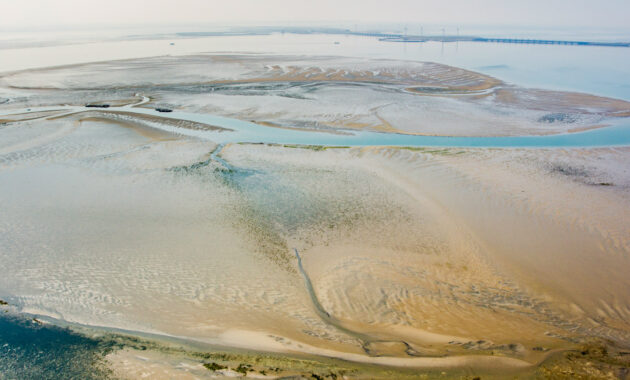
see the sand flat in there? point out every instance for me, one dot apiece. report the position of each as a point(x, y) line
point(482, 260)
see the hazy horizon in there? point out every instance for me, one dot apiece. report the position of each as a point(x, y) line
point(27, 14)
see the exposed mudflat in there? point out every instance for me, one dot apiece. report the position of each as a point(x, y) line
point(463, 261)
point(322, 93)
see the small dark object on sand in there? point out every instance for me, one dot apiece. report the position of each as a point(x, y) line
point(97, 105)
point(163, 110)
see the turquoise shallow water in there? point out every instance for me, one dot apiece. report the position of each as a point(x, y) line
point(618, 134)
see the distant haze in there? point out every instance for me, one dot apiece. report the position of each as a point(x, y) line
point(539, 13)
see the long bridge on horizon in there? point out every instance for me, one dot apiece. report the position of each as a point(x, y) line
point(550, 42)
point(394, 37)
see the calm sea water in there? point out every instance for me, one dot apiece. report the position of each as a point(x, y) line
point(30, 350)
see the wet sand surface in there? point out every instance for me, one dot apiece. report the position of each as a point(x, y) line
point(391, 262)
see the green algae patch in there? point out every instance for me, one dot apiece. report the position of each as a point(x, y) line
point(595, 359)
point(214, 366)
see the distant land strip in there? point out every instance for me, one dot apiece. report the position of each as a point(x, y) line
point(397, 37)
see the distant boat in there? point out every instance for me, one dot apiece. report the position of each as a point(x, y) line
point(172, 43)
point(97, 105)
point(163, 110)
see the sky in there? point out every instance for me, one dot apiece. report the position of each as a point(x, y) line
point(537, 13)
